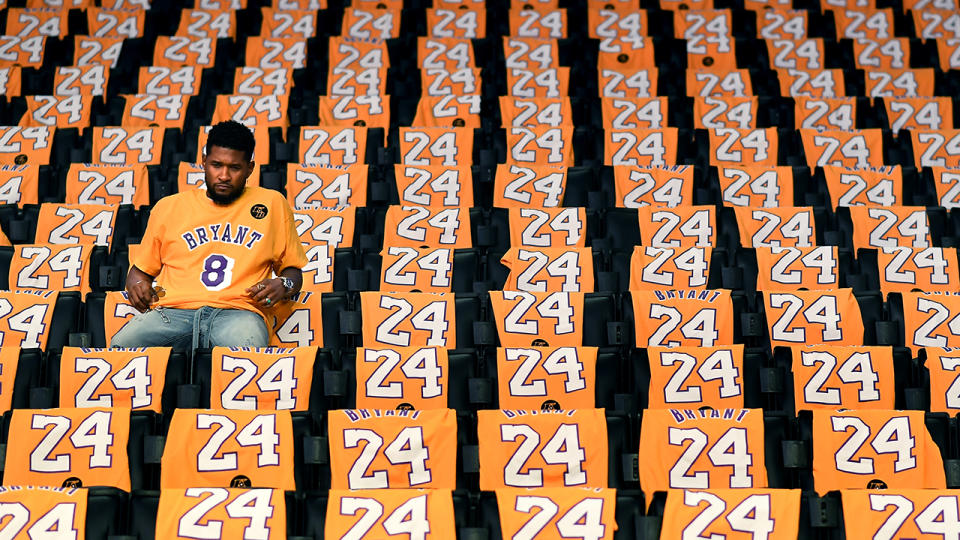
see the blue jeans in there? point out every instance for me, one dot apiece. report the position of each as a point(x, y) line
point(191, 328)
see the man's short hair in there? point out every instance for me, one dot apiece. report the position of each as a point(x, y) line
point(233, 135)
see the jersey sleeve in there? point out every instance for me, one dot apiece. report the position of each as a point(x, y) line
point(147, 257)
point(289, 250)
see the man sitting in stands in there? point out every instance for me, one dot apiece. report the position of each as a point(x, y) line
point(212, 253)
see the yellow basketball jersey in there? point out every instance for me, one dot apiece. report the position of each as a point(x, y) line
point(223, 447)
point(211, 254)
point(376, 449)
point(379, 513)
point(557, 513)
point(43, 512)
point(732, 513)
point(197, 512)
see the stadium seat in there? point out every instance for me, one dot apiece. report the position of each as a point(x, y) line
point(107, 512)
point(27, 384)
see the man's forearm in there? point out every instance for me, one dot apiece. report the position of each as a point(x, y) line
point(139, 288)
point(135, 274)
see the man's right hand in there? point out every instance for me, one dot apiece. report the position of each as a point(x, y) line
point(140, 289)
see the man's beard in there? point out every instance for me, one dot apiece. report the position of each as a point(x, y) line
point(224, 199)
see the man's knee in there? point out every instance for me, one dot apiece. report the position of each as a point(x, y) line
point(129, 335)
point(239, 328)
point(152, 329)
point(120, 340)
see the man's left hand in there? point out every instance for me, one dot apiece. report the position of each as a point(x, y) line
point(267, 293)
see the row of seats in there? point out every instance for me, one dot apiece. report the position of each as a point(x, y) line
point(337, 6)
point(728, 28)
point(335, 320)
point(544, 146)
point(497, 231)
point(355, 270)
point(402, 95)
point(896, 19)
point(479, 378)
point(782, 447)
point(884, 111)
point(117, 514)
point(111, 512)
point(892, 114)
point(589, 187)
point(930, 60)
